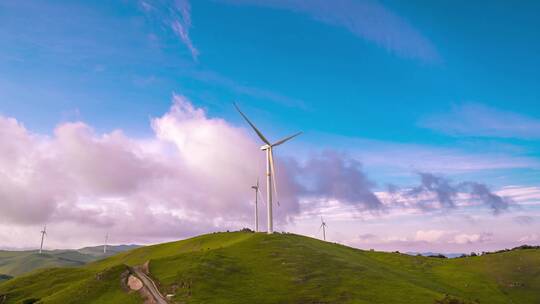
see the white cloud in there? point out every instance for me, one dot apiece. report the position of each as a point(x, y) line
point(472, 238)
point(192, 176)
point(523, 195)
point(530, 238)
point(430, 235)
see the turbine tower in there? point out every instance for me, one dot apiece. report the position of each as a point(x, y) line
point(105, 244)
point(323, 226)
point(43, 233)
point(270, 169)
point(256, 188)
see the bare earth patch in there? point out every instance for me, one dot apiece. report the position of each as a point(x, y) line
point(134, 283)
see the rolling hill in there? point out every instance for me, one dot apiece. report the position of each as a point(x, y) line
point(243, 267)
point(14, 263)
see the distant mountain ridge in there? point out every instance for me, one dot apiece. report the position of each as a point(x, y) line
point(111, 250)
point(15, 263)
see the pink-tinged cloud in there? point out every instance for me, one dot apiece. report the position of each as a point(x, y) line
point(430, 235)
point(196, 169)
point(473, 238)
point(193, 176)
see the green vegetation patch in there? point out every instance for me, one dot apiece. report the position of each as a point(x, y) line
point(65, 285)
point(244, 267)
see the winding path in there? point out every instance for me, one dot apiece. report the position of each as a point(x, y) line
point(150, 285)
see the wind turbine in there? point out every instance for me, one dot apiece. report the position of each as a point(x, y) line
point(43, 233)
point(256, 188)
point(270, 169)
point(105, 244)
point(323, 226)
point(257, 193)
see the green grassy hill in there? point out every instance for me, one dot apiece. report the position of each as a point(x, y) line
point(242, 267)
point(14, 263)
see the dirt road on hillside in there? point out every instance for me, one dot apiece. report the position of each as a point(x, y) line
point(149, 285)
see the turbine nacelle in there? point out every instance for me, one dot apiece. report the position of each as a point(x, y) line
point(265, 147)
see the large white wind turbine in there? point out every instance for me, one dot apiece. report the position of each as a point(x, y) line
point(270, 168)
point(43, 233)
point(323, 226)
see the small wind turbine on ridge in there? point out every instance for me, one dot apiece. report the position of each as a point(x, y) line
point(270, 168)
point(257, 194)
point(43, 233)
point(323, 226)
point(256, 188)
point(105, 244)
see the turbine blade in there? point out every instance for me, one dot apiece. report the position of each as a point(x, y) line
point(261, 196)
point(286, 139)
point(274, 175)
point(252, 126)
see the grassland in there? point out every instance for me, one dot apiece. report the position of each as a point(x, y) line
point(15, 263)
point(242, 267)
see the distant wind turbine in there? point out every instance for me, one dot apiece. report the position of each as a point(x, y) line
point(105, 244)
point(43, 233)
point(323, 226)
point(257, 191)
point(270, 169)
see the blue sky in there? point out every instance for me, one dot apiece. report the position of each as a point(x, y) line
point(446, 87)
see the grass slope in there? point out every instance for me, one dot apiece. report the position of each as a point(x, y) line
point(243, 267)
point(14, 263)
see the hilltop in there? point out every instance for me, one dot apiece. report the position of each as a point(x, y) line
point(15, 263)
point(243, 267)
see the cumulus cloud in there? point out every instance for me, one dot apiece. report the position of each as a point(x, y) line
point(425, 240)
point(195, 169)
point(192, 176)
point(464, 238)
point(430, 235)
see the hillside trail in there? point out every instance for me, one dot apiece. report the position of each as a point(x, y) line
point(149, 285)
